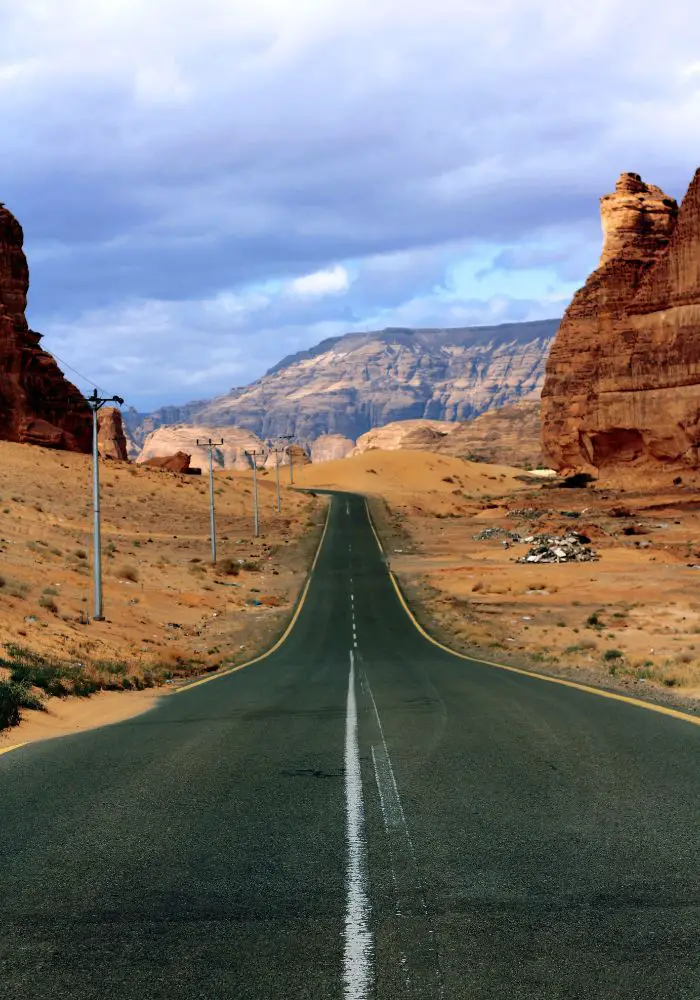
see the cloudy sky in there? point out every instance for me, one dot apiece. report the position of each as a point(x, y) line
point(207, 186)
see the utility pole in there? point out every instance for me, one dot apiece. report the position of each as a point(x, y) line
point(212, 519)
point(96, 403)
point(253, 456)
point(290, 437)
point(276, 449)
point(277, 479)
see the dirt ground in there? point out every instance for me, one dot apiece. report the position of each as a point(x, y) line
point(168, 611)
point(629, 621)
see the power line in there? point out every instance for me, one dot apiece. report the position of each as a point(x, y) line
point(89, 381)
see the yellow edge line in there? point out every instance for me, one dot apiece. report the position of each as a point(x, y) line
point(282, 638)
point(661, 709)
point(15, 746)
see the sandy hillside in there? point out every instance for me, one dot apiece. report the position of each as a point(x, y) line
point(414, 481)
point(168, 610)
point(630, 619)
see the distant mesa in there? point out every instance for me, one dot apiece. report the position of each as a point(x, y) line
point(37, 404)
point(622, 389)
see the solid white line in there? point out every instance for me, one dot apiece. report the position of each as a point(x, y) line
point(358, 952)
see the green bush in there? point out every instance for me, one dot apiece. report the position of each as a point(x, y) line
point(13, 697)
point(613, 654)
point(10, 703)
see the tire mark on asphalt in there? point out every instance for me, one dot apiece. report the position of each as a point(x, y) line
point(418, 948)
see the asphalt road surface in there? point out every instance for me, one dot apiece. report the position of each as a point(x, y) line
point(358, 815)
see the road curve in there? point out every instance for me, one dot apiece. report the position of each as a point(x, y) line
point(360, 814)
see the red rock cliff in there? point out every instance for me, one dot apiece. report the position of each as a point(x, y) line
point(622, 388)
point(37, 404)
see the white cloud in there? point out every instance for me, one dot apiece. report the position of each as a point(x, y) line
point(334, 281)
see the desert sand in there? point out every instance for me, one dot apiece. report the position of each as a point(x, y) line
point(413, 480)
point(64, 716)
point(169, 612)
point(630, 620)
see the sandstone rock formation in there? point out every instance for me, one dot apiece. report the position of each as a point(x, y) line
point(37, 404)
point(179, 462)
point(507, 436)
point(348, 385)
point(408, 435)
point(623, 378)
point(111, 441)
point(329, 447)
point(637, 220)
point(183, 437)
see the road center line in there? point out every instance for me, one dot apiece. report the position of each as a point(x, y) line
point(359, 946)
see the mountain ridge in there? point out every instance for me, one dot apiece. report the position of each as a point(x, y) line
point(350, 384)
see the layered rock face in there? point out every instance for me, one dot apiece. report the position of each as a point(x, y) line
point(37, 404)
point(622, 390)
point(111, 441)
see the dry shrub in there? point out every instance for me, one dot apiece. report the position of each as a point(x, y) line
point(228, 567)
point(129, 572)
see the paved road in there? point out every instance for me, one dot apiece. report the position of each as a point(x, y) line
point(359, 815)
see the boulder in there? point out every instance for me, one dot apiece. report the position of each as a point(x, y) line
point(622, 386)
point(179, 462)
point(37, 404)
point(111, 440)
